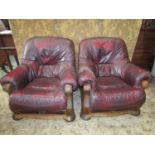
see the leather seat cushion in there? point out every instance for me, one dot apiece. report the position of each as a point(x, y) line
point(111, 93)
point(40, 95)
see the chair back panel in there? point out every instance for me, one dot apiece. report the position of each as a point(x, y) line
point(50, 53)
point(105, 53)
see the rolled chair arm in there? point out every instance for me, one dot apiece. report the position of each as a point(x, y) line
point(135, 76)
point(67, 76)
point(18, 78)
point(87, 72)
point(15, 79)
point(86, 77)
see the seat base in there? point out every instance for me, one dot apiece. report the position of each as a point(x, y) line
point(40, 95)
point(86, 113)
point(113, 94)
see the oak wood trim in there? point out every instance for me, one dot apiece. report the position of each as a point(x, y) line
point(85, 108)
point(112, 114)
point(37, 116)
point(145, 84)
point(116, 113)
point(87, 87)
point(69, 114)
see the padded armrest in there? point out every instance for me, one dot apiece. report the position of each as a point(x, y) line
point(67, 75)
point(86, 74)
point(134, 75)
point(18, 78)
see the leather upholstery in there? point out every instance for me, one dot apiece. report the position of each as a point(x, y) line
point(116, 83)
point(111, 93)
point(40, 95)
point(48, 64)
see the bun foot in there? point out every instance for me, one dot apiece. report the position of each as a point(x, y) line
point(16, 118)
point(135, 113)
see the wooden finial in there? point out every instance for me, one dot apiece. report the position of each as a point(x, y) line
point(145, 84)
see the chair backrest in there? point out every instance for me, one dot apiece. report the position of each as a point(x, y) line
point(50, 53)
point(103, 52)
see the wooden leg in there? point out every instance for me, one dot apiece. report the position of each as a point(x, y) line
point(86, 110)
point(69, 114)
point(16, 117)
point(135, 113)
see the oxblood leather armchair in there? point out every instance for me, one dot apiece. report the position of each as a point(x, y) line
point(42, 86)
point(111, 85)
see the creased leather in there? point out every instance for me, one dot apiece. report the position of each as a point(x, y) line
point(55, 56)
point(133, 75)
point(18, 77)
point(40, 95)
point(95, 53)
point(87, 68)
point(111, 93)
point(22, 75)
point(116, 83)
point(48, 64)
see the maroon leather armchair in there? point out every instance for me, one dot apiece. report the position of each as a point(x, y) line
point(42, 85)
point(111, 85)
